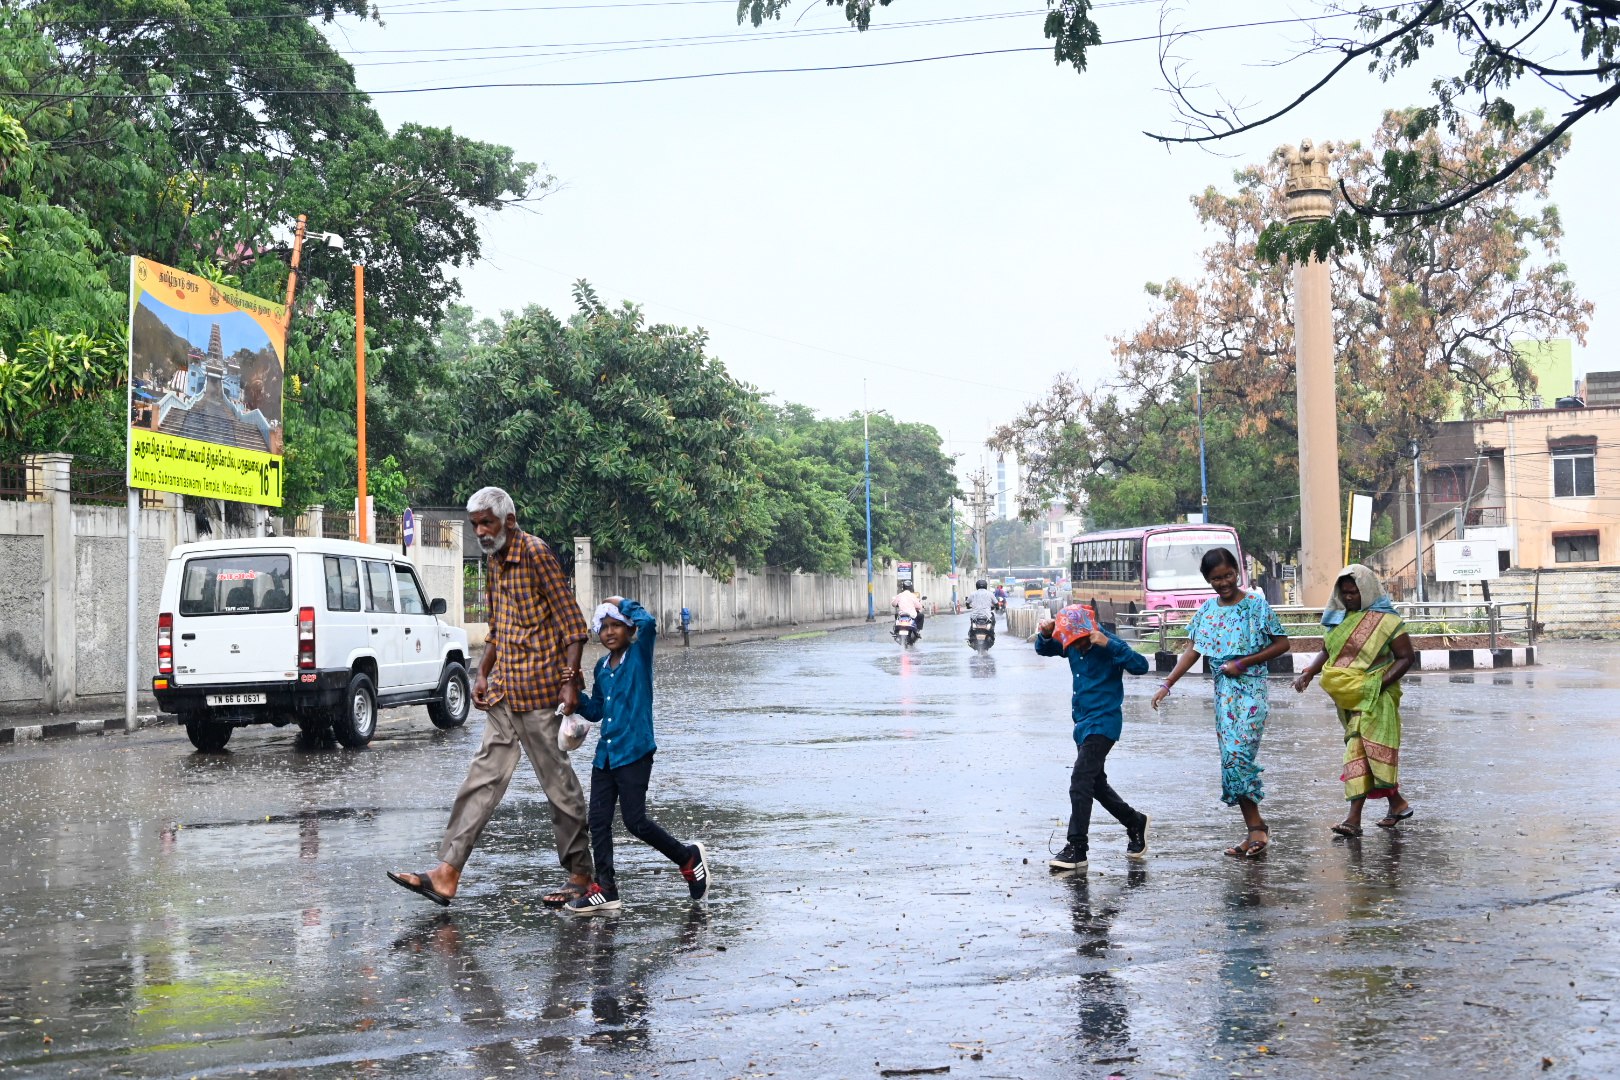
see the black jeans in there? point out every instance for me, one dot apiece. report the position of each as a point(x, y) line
point(1088, 781)
point(626, 785)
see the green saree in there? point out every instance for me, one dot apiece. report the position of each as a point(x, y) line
point(1359, 649)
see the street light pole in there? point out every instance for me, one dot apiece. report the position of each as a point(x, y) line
point(866, 436)
point(1203, 467)
point(360, 393)
point(1417, 512)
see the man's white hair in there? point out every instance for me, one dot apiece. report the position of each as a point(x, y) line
point(493, 499)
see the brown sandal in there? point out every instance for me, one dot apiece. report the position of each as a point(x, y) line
point(1250, 848)
point(1344, 828)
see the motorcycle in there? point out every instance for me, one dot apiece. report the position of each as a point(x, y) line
point(982, 632)
point(999, 605)
point(905, 630)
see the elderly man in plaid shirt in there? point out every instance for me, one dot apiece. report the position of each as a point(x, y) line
point(535, 632)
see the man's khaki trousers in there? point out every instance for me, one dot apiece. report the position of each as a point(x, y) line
point(507, 736)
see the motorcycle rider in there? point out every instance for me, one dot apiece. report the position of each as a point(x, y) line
point(906, 602)
point(980, 602)
point(1001, 596)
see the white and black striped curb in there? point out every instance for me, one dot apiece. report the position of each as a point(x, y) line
point(1427, 660)
point(64, 728)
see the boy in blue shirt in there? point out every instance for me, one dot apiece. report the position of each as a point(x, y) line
point(1098, 660)
point(621, 701)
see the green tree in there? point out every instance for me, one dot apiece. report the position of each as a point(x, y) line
point(1424, 327)
point(197, 137)
point(1485, 50)
point(605, 426)
point(1013, 542)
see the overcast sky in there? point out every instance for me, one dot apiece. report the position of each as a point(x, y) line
point(953, 233)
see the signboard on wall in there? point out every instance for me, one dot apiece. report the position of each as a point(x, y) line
point(1465, 560)
point(902, 571)
point(206, 364)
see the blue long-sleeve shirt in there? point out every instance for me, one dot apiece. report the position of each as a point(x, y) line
point(1099, 683)
point(622, 697)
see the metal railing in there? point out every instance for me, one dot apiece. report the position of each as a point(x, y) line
point(1500, 622)
point(18, 479)
point(103, 485)
point(337, 525)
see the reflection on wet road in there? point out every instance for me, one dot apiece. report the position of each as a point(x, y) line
point(879, 821)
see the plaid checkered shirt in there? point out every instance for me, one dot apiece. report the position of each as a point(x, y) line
point(533, 617)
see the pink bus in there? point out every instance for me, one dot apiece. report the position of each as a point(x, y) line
point(1152, 568)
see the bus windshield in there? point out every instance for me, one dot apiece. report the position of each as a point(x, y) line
point(1173, 558)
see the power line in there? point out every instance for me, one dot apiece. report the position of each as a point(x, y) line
point(655, 79)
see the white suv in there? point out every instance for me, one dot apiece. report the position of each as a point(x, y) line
point(285, 629)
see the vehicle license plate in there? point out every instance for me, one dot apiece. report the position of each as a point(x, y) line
point(216, 700)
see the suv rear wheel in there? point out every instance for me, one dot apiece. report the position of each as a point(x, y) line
point(209, 736)
point(355, 720)
point(455, 698)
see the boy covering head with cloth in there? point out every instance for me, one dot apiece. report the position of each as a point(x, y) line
point(621, 701)
point(1098, 661)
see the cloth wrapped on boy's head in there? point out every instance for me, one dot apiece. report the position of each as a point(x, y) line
point(608, 613)
point(1073, 623)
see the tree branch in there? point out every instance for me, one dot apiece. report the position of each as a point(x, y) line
point(1351, 55)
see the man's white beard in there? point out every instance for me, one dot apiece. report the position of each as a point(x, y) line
point(492, 544)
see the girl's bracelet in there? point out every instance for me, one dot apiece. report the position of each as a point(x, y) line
point(1165, 686)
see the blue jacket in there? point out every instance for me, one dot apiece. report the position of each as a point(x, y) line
point(1099, 685)
point(622, 697)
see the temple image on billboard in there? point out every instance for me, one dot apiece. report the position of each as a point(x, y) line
point(184, 382)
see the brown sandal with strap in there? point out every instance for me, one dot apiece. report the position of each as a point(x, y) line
point(1250, 848)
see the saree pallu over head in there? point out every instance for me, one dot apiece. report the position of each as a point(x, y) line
point(1358, 649)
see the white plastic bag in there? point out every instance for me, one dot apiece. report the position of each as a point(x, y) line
point(571, 733)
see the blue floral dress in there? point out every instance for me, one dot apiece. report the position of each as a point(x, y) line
point(1241, 703)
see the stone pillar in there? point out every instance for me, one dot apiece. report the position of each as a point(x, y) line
point(1310, 198)
point(584, 575)
point(52, 474)
point(315, 520)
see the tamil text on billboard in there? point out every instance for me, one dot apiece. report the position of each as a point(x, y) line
point(206, 364)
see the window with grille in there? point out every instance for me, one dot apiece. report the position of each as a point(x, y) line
point(1574, 473)
point(1577, 547)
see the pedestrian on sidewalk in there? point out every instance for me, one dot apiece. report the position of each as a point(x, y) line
point(527, 679)
point(622, 702)
point(1239, 633)
point(686, 627)
point(1098, 661)
point(1365, 652)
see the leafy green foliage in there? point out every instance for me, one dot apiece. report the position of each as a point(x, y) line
point(630, 433)
point(195, 135)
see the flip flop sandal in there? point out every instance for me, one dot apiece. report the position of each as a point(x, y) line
point(1255, 850)
point(1392, 820)
point(560, 896)
point(1344, 828)
point(422, 886)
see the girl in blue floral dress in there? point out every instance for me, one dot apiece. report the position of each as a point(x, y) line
point(1239, 632)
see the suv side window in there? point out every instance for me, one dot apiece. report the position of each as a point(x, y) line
point(410, 591)
point(342, 584)
point(381, 580)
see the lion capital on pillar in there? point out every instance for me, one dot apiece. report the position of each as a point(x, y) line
point(1310, 188)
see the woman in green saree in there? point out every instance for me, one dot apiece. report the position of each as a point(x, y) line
point(1365, 652)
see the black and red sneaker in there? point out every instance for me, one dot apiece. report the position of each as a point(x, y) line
point(596, 901)
point(696, 872)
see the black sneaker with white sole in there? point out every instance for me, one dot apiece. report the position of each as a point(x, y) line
point(697, 873)
point(1070, 858)
point(596, 901)
point(1136, 840)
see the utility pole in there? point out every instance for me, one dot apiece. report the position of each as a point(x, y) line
point(980, 504)
point(866, 435)
point(1416, 450)
point(1203, 461)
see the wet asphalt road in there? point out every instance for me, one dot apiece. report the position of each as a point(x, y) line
point(879, 821)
